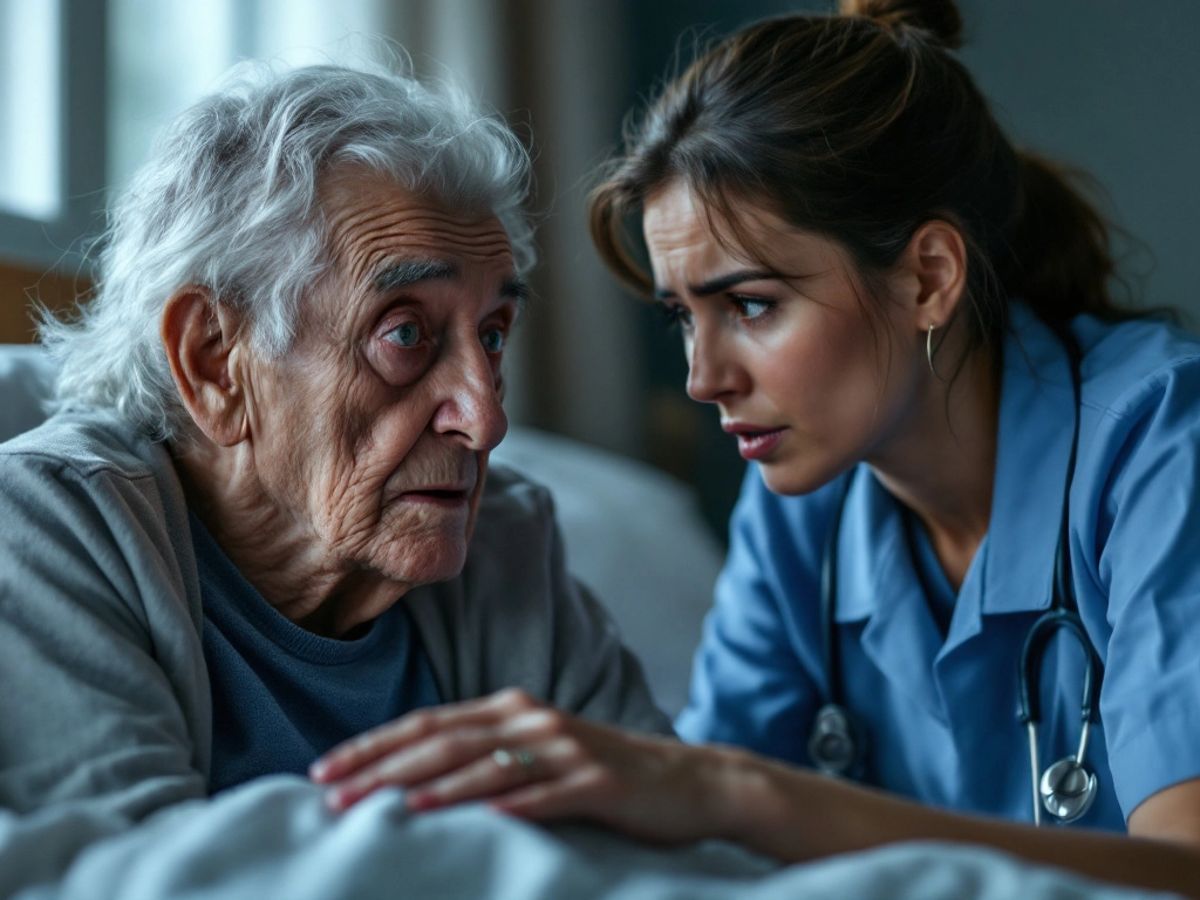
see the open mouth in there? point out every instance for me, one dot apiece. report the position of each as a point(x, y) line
point(757, 444)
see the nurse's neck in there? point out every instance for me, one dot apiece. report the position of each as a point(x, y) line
point(941, 461)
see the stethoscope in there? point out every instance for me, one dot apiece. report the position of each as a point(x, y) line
point(1065, 790)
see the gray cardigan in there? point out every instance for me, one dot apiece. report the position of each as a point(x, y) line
point(104, 693)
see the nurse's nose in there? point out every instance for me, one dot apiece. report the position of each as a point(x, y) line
point(713, 372)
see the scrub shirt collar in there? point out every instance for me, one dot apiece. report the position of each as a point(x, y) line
point(1037, 410)
point(878, 582)
point(1037, 417)
point(871, 552)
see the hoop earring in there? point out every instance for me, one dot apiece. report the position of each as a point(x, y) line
point(929, 351)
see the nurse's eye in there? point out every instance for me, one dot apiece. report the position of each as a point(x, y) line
point(406, 335)
point(751, 307)
point(493, 339)
point(676, 315)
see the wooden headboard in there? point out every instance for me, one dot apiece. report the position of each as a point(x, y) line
point(17, 288)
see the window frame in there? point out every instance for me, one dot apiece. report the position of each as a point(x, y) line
point(60, 242)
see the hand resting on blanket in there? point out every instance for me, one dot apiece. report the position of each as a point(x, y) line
point(533, 761)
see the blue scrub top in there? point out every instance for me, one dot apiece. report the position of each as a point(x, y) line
point(939, 705)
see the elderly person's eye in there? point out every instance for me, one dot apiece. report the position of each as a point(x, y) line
point(494, 339)
point(407, 334)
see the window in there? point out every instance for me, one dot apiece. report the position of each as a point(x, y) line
point(166, 54)
point(51, 163)
point(29, 108)
point(85, 84)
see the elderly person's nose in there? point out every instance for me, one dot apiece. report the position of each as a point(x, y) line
point(471, 406)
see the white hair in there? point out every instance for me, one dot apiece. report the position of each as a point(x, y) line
point(229, 201)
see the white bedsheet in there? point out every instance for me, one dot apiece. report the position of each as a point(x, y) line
point(273, 838)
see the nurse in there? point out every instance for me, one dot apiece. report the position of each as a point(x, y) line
point(964, 571)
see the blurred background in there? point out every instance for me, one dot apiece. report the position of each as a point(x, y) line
point(1110, 85)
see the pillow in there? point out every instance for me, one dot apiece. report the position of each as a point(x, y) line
point(635, 537)
point(26, 383)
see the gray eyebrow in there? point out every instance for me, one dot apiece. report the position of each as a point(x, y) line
point(410, 271)
point(516, 289)
point(401, 274)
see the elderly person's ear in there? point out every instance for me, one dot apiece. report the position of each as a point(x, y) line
point(201, 337)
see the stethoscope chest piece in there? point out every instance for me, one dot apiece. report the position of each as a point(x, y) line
point(1067, 790)
point(833, 744)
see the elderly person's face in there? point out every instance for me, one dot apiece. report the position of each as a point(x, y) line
point(372, 433)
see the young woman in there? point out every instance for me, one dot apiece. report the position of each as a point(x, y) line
point(964, 571)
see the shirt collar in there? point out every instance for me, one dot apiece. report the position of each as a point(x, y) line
point(872, 556)
point(1033, 445)
point(878, 583)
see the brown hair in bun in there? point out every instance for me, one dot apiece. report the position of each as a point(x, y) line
point(938, 18)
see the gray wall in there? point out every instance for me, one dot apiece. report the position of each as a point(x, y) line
point(1114, 87)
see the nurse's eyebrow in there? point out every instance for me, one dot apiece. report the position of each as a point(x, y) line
point(405, 272)
point(721, 283)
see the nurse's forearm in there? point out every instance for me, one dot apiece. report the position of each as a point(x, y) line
point(795, 815)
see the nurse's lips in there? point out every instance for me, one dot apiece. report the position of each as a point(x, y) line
point(754, 441)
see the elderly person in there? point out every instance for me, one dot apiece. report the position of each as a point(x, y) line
point(259, 523)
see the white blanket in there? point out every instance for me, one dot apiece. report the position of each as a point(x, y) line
point(273, 838)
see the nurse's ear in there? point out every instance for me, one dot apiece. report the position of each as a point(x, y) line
point(930, 277)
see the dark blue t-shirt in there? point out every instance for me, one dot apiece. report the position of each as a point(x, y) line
point(281, 695)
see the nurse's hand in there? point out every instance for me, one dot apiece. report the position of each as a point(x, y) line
point(533, 761)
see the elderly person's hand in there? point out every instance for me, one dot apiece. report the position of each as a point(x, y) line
point(533, 761)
